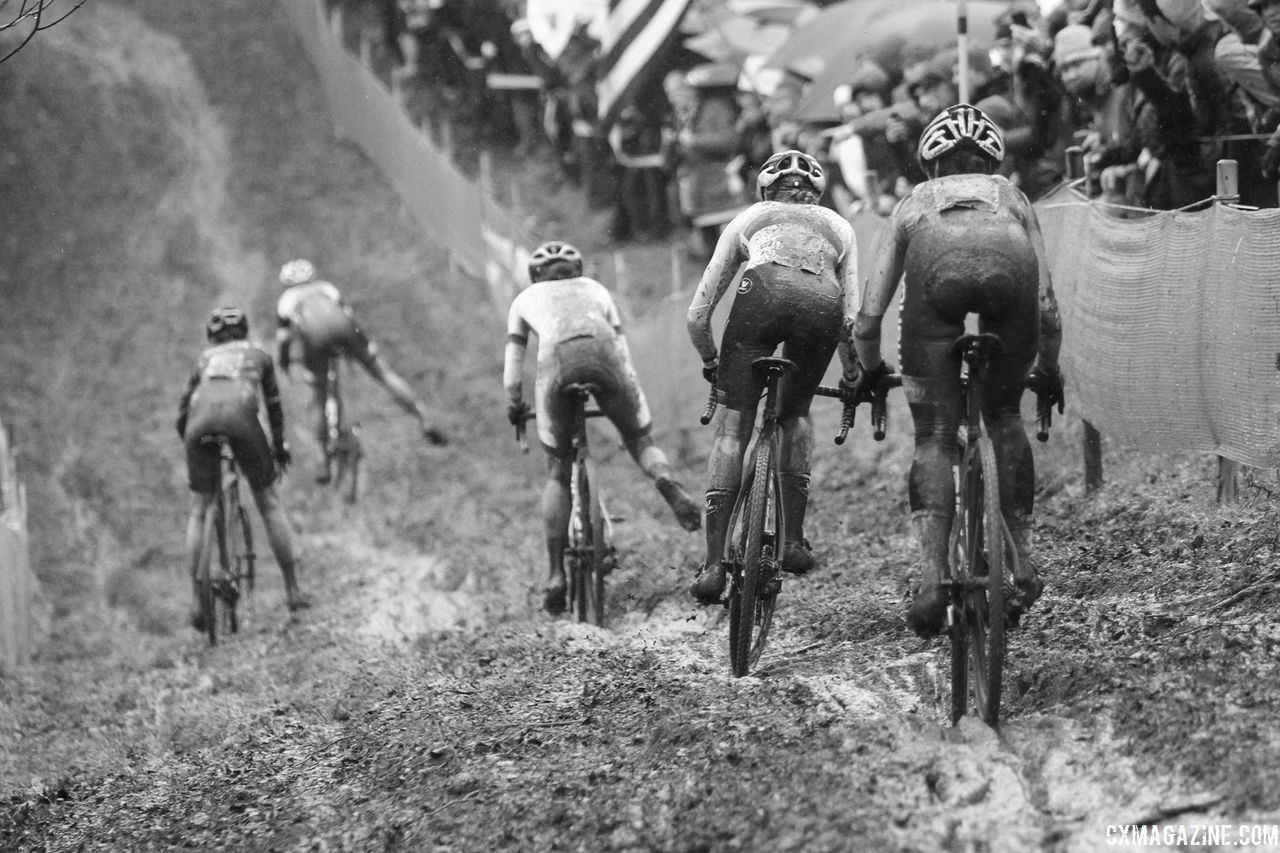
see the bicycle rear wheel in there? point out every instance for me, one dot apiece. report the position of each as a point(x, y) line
point(582, 549)
point(598, 549)
point(985, 621)
point(239, 578)
point(206, 596)
point(753, 593)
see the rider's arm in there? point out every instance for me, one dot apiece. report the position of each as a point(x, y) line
point(725, 261)
point(184, 405)
point(513, 364)
point(1050, 319)
point(882, 284)
point(847, 274)
point(271, 397)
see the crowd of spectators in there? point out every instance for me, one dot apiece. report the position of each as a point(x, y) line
point(1155, 92)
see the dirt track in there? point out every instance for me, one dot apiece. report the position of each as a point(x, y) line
point(424, 703)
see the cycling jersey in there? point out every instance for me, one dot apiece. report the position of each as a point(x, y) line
point(964, 244)
point(580, 339)
point(224, 396)
point(325, 328)
point(797, 289)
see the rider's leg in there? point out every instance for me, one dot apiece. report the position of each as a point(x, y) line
point(320, 426)
point(557, 501)
point(794, 460)
point(1002, 393)
point(399, 390)
point(653, 462)
point(1015, 465)
point(935, 411)
point(724, 479)
point(198, 507)
point(280, 538)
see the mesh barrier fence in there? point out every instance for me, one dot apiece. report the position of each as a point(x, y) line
point(18, 586)
point(1171, 325)
point(1172, 321)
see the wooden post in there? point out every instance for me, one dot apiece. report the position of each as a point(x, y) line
point(1091, 439)
point(1228, 192)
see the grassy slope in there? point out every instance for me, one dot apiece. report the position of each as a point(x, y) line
point(423, 703)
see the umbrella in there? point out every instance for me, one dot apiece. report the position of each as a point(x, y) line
point(736, 37)
point(844, 35)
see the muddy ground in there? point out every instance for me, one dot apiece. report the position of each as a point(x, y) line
point(159, 158)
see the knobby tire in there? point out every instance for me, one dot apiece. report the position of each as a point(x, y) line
point(743, 652)
point(204, 574)
point(582, 548)
point(986, 624)
point(598, 548)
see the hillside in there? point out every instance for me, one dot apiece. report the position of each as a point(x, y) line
point(160, 158)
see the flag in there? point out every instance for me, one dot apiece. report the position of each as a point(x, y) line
point(634, 36)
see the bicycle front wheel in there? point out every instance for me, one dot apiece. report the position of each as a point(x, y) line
point(752, 596)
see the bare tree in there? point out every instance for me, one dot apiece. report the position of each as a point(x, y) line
point(31, 16)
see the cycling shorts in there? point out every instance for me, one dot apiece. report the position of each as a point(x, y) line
point(325, 332)
point(970, 261)
point(228, 408)
point(597, 361)
point(775, 305)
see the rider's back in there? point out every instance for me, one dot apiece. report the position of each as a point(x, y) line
point(233, 368)
point(315, 311)
point(562, 310)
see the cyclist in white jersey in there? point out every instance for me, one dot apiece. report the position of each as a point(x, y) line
point(799, 264)
point(580, 340)
point(312, 312)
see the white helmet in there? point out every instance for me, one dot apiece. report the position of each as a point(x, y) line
point(299, 271)
point(791, 163)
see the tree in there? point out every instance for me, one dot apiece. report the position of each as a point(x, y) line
point(29, 17)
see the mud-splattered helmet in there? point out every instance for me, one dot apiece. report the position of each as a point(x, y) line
point(554, 260)
point(963, 125)
point(227, 323)
point(786, 166)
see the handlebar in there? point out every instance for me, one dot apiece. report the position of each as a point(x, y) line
point(521, 429)
point(1044, 417)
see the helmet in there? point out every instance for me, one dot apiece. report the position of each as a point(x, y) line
point(227, 322)
point(788, 163)
point(551, 253)
point(297, 272)
point(959, 125)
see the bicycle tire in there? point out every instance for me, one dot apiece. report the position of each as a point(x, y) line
point(598, 547)
point(986, 622)
point(961, 553)
point(205, 595)
point(224, 586)
point(581, 547)
point(741, 652)
point(240, 558)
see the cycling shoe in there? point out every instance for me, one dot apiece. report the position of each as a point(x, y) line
point(708, 586)
point(797, 557)
point(927, 615)
point(1025, 593)
point(555, 600)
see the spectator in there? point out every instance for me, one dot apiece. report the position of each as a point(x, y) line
point(1109, 113)
point(869, 164)
point(1039, 129)
point(641, 207)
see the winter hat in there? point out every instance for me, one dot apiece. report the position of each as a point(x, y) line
point(1073, 43)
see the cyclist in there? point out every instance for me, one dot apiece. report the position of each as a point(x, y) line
point(799, 265)
point(968, 241)
point(580, 339)
point(312, 312)
point(232, 380)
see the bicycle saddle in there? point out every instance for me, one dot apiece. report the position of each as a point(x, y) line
point(582, 388)
point(985, 345)
point(773, 364)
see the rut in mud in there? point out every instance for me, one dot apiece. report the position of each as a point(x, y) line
point(425, 703)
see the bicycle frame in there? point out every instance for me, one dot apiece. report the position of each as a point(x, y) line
point(343, 445)
point(226, 531)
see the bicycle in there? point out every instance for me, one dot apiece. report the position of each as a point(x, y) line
point(589, 556)
point(342, 448)
point(979, 576)
point(757, 531)
point(227, 534)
